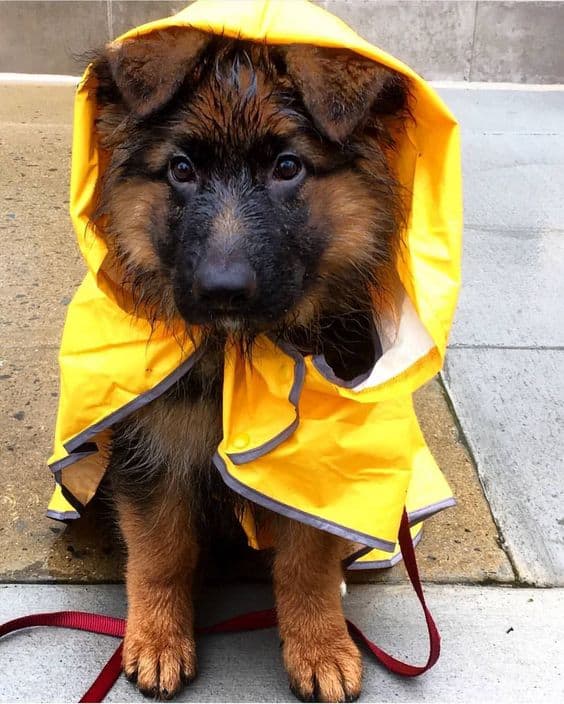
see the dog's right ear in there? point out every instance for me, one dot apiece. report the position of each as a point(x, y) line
point(145, 72)
point(340, 88)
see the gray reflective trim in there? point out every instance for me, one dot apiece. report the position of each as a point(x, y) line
point(423, 513)
point(79, 448)
point(137, 403)
point(293, 397)
point(297, 515)
point(250, 455)
point(62, 515)
point(299, 374)
point(322, 366)
point(378, 564)
point(414, 517)
point(74, 457)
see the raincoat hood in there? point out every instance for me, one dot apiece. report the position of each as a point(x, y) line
point(345, 457)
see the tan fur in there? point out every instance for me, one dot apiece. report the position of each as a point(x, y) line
point(226, 227)
point(183, 435)
point(350, 208)
point(159, 649)
point(231, 119)
point(134, 204)
point(322, 661)
point(136, 213)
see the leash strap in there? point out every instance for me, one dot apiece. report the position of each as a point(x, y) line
point(255, 620)
point(398, 667)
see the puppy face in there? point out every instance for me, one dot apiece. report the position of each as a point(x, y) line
point(248, 187)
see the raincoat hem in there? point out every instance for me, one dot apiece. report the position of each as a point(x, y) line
point(70, 498)
point(265, 448)
point(298, 515)
point(299, 376)
point(422, 514)
point(138, 402)
point(352, 564)
point(414, 517)
point(85, 450)
point(62, 515)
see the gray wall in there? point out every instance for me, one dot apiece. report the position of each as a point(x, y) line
point(442, 39)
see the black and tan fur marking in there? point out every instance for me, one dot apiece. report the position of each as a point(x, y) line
point(248, 190)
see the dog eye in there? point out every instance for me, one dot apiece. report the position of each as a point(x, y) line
point(182, 169)
point(287, 167)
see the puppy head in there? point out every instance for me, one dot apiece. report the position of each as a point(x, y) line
point(247, 187)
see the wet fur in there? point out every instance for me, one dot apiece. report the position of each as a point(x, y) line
point(240, 103)
point(229, 98)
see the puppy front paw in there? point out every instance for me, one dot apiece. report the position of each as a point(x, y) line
point(324, 671)
point(160, 663)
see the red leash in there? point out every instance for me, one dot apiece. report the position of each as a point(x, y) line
point(255, 620)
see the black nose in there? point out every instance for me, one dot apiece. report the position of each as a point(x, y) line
point(227, 282)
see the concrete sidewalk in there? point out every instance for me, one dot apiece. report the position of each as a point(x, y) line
point(498, 645)
point(505, 365)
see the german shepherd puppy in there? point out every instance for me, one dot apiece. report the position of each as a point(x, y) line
point(248, 190)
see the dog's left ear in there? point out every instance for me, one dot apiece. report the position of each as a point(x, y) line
point(340, 89)
point(149, 70)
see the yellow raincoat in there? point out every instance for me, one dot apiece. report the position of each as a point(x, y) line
point(344, 457)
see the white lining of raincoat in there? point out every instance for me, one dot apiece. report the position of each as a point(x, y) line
point(403, 344)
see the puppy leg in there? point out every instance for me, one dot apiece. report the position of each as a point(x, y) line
point(159, 649)
point(321, 659)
